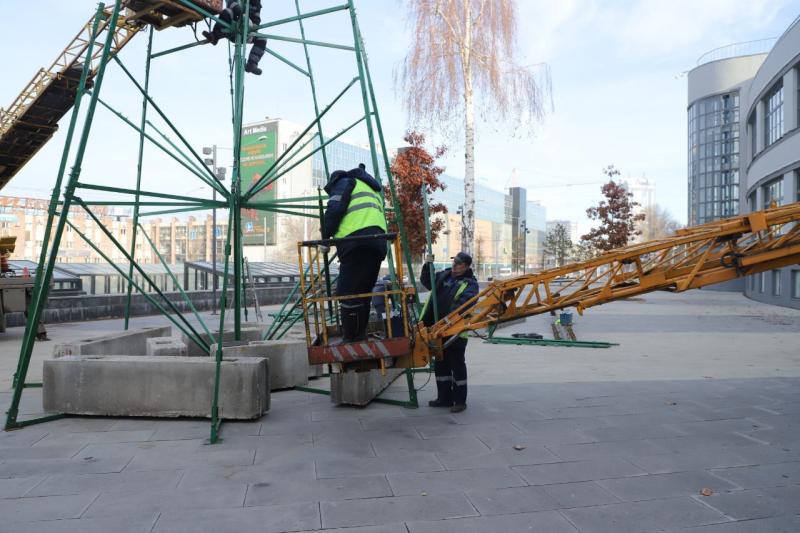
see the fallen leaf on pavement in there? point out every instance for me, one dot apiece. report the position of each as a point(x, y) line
point(705, 491)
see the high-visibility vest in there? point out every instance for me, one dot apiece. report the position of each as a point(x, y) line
point(461, 288)
point(365, 210)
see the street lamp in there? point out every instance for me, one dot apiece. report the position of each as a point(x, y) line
point(219, 172)
point(523, 243)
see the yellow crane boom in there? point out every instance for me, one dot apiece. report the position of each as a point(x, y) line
point(694, 257)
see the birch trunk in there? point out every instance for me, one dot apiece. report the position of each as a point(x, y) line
point(468, 219)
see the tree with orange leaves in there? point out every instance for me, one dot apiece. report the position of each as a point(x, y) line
point(413, 167)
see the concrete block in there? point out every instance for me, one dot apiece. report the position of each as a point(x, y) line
point(316, 371)
point(154, 386)
point(249, 333)
point(288, 360)
point(131, 342)
point(360, 388)
point(166, 346)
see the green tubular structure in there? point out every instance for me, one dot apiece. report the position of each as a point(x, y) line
point(142, 273)
point(43, 283)
point(549, 342)
point(300, 17)
point(175, 281)
point(388, 166)
point(218, 184)
point(149, 203)
point(54, 198)
point(140, 156)
point(190, 334)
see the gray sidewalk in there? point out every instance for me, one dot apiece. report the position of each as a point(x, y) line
point(553, 449)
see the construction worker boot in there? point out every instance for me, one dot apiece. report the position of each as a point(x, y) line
point(211, 37)
point(252, 68)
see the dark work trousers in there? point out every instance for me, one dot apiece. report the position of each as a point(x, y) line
point(232, 13)
point(358, 271)
point(451, 374)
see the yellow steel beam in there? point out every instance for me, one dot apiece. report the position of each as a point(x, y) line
point(694, 257)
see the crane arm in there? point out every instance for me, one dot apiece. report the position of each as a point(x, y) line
point(694, 257)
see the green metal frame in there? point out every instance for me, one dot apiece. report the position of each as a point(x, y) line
point(65, 195)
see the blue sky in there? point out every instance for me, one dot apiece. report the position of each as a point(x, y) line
point(619, 91)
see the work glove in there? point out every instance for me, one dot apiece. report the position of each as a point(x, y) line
point(323, 249)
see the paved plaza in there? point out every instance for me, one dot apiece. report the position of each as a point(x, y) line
point(690, 425)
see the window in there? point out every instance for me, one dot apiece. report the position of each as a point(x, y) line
point(773, 191)
point(773, 118)
point(751, 127)
point(776, 282)
point(795, 283)
point(762, 286)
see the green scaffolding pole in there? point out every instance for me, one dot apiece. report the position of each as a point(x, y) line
point(43, 282)
point(55, 195)
point(135, 223)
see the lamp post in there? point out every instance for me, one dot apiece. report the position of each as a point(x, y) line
point(219, 172)
point(522, 248)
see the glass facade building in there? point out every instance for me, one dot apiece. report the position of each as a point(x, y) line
point(714, 158)
point(341, 156)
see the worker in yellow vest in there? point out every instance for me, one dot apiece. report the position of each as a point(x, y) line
point(355, 208)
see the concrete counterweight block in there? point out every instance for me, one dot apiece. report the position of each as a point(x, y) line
point(249, 333)
point(360, 388)
point(132, 342)
point(166, 346)
point(288, 360)
point(155, 386)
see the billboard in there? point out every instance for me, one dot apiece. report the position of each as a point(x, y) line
point(259, 148)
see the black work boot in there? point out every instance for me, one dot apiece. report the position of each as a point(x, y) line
point(440, 403)
point(211, 37)
point(252, 68)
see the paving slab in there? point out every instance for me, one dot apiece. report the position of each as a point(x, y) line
point(45, 508)
point(18, 487)
point(160, 501)
point(579, 494)
point(757, 476)
point(636, 517)
point(315, 490)
point(757, 503)
point(549, 521)
point(375, 511)
point(409, 483)
point(138, 523)
point(273, 518)
point(565, 472)
point(661, 486)
point(63, 484)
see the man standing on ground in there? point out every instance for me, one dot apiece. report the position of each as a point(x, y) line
point(454, 287)
point(355, 208)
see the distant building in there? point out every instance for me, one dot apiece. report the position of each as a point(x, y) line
point(643, 191)
point(744, 146)
point(569, 225)
point(26, 218)
point(270, 236)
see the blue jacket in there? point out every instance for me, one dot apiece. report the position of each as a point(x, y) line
point(339, 188)
point(447, 286)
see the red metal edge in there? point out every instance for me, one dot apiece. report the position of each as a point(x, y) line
point(369, 350)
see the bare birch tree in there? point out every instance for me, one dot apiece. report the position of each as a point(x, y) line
point(463, 54)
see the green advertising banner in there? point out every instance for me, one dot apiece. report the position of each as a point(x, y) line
point(259, 146)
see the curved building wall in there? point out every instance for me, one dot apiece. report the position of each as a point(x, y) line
point(771, 112)
point(714, 135)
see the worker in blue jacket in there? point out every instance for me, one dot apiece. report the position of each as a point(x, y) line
point(454, 287)
point(355, 208)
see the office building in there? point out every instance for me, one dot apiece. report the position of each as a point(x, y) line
point(744, 142)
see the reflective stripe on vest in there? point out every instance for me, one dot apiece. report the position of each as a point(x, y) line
point(364, 210)
point(461, 288)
